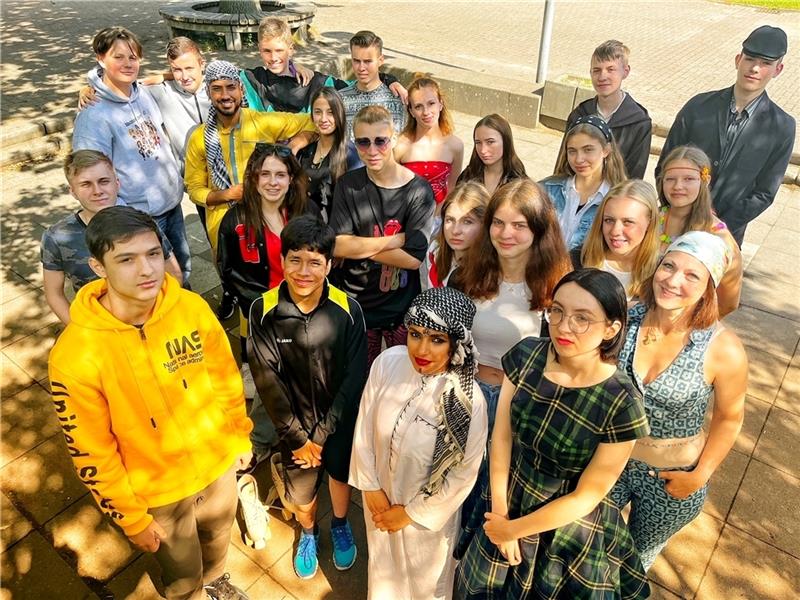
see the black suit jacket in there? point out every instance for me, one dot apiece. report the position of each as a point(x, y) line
point(747, 183)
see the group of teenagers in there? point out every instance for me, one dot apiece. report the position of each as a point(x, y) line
point(500, 366)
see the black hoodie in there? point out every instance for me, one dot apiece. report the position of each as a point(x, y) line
point(632, 128)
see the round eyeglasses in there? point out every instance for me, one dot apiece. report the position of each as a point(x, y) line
point(577, 323)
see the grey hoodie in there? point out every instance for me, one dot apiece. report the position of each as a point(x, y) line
point(130, 132)
point(182, 112)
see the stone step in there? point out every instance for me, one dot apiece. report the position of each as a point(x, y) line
point(32, 149)
point(37, 128)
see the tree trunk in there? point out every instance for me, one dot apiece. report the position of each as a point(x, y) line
point(239, 6)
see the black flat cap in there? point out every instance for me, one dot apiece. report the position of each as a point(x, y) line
point(766, 42)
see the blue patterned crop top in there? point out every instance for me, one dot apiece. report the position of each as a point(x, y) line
point(676, 401)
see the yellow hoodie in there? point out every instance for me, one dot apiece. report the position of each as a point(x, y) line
point(151, 415)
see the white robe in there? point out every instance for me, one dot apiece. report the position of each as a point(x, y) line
point(393, 451)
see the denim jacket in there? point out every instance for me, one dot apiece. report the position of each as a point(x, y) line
point(574, 223)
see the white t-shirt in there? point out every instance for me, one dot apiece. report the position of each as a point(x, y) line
point(503, 321)
point(625, 277)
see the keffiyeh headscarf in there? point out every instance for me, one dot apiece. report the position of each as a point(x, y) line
point(706, 247)
point(449, 311)
point(218, 69)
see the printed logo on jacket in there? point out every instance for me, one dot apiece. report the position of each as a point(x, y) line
point(184, 350)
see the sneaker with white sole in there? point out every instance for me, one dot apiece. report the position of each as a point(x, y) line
point(253, 513)
point(305, 559)
point(222, 589)
point(344, 547)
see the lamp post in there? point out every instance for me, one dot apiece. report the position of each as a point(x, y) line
point(544, 41)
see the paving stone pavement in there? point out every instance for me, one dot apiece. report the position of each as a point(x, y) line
point(54, 542)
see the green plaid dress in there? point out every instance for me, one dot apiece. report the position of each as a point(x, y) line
point(555, 433)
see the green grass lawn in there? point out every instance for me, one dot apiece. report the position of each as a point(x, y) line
point(772, 4)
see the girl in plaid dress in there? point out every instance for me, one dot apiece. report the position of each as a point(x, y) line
point(566, 424)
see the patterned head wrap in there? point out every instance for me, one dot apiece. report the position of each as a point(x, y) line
point(706, 247)
point(449, 311)
point(597, 122)
point(218, 69)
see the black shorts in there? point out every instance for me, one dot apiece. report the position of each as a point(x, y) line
point(302, 484)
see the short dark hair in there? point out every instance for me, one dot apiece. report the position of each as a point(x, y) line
point(117, 224)
point(366, 39)
point(307, 232)
point(105, 38)
point(610, 294)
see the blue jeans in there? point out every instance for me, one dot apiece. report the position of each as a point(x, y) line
point(491, 393)
point(172, 226)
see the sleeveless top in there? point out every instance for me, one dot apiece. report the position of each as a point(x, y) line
point(435, 172)
point(676, 401)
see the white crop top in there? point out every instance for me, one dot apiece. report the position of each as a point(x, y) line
point(503, 321)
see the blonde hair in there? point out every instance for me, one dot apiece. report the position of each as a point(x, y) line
point(612, 50)
point(79, 160)
point(594, 250)
point(445, 121)
point(472, 197)
point(181, 45)
point(701, 217)
point(272, 27)
point(372, 114)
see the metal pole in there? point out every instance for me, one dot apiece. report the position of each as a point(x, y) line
point(544, 41)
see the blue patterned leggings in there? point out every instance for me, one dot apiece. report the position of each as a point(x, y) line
point(655, 515)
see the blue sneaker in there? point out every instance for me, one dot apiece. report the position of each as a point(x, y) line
point(305, 559)
point(344, 547)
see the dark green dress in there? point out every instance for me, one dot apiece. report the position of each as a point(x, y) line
point(555, 433)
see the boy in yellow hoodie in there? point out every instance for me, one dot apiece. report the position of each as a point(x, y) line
point(152, 406)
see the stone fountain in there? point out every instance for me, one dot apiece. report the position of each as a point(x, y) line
point(234, 17)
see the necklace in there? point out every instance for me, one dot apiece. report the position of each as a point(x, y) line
point(318, 157)
point(652, 335)
point(663, 221)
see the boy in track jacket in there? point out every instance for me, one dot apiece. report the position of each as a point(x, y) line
point(308, 354)
point(152, 407)
point(629, 121)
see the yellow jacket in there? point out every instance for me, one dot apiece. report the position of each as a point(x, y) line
point(253, 127)
point(151, 415)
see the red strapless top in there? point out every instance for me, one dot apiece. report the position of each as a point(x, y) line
point(436, 172)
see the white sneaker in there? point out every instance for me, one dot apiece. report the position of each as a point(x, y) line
point(253, 513)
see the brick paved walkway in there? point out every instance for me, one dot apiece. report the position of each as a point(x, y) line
point(55, 543)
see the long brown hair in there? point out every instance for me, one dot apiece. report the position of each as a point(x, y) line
point(548, 260)
point(512, 165)
point(249, 211)
point(445, 121)
point(613, 164)
point(473, 197)
point(594, 249)
point(701, 217)
point(338, 152)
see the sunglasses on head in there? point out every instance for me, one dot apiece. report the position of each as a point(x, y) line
point(282, 151)
point(380, 142)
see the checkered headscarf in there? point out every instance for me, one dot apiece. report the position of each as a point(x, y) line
point(449, 311)
point(218, 69)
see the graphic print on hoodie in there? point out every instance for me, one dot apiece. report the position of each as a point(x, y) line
point(130, 132)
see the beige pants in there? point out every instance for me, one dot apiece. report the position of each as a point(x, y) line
point(198, 533)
